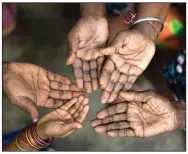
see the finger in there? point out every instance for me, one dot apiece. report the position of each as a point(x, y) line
point(51, 103)
point(83, 114)
point(70, 127)
point(96, 122)
point(64, 95)
point(87, 78)
point(112, 110)
point(61, 86)
point(28, 105)
point(69, 104)
point(114, 118)
point(81, 109)
point(72, 47)
point(118, 86)
point(104, 96)
point(69, 133)
point(106, 73)
point(100, 61)
point(121, 133)
point(75, 115)
point(131, 79)
point(111, 126)
point(134, 96)
point(76, 105)
point(108, 50)
point(77, 70)
point(93, 72)
point(62, 79)
point(87, 55)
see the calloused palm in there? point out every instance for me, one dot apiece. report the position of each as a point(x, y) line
point(28, 86)
point(138, 114)
point(64, 120)
point(131, 54)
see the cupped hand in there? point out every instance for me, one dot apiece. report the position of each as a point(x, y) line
point(28, 86)
point(87, 73)
point(86, 38)
point(138, 114)
point(65, 120)
point(131, 54)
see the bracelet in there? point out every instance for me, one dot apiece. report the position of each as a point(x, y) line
point(148, 20)
point(18, 147)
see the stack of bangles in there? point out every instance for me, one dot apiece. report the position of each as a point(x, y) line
point(148, 20)
point(31, 140)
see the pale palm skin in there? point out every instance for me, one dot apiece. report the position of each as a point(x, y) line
point(29, 86)
point(137, 114)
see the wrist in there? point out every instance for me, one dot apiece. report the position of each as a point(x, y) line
point(41, 132)
point(92, 10)
point(180, 114)
point(148, 30)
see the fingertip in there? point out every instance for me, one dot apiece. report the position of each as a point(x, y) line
point(95, 123)
point(71, 59)
point(99, 129)
point(111, 134)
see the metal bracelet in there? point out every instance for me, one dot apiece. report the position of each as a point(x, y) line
point(148, 19)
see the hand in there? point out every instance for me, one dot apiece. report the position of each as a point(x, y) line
point(131, 54)
point(64, 120)
point(86, 38)
point(145, 114)
point(112, 81)
point(87, 73)
point(28, 86)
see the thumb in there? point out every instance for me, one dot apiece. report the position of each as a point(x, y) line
point(70, 127)
point(28, 105)
point(108, 50)
point(72, 48)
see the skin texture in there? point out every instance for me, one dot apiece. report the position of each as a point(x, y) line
point(60, 123)
point(128, 61)
point(137, 114)
point(63, 121)
point(84, 40)
point(29, 86)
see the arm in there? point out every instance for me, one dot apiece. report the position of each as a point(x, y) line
point(155, 10)
point(92, 9)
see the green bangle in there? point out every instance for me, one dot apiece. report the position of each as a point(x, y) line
point(18, 147)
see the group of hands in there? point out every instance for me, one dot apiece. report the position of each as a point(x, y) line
point(114, 67)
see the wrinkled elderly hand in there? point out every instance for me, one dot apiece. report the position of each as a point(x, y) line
point(131, 54)
point(87, 73)
point(28, 86)
point(65, 120)
point(86, 38)
point(137, 114)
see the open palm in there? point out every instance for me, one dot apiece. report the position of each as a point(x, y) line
point(28, 86)
point(138, 114)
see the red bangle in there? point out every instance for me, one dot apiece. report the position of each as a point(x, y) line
point(47, 142)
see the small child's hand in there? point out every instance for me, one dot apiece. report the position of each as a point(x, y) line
point(64, 120)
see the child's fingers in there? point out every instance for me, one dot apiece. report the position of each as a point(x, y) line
point(69, 104)
point(76, 105)
point(83, 114)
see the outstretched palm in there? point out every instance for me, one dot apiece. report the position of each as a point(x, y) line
point(64, 120)
point(131, 54)
point(145, 114)
point(28, 86)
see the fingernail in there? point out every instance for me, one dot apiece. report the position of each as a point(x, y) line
point(67, 62)
point(35, 120)
point(79, 126)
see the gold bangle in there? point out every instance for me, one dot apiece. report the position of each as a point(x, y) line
point(29, 140)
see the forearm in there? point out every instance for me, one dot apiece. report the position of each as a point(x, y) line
point(92, 9)
point(180, 114)
point(155, 10)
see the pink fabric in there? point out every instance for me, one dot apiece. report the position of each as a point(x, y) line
point(8, 16)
